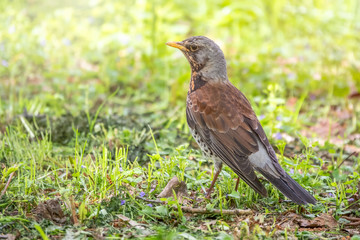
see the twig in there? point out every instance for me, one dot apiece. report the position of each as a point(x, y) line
point(73, 211)
point(215, 211)
point(353, 224)
point(355, 221)
point(7, 184)
point(286, 219)
point(202, 210)
point(346, 159)
point(351, 218)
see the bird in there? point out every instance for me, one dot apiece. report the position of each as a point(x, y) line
point(225, 126)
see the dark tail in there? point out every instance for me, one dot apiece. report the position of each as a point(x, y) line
point(290, 188)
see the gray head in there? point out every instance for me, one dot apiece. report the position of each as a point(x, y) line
point(204, 56)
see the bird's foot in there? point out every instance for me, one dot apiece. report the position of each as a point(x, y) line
point(208, 195)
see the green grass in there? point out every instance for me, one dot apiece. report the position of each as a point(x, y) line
point(92, 112)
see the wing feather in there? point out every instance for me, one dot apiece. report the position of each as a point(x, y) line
point(225, 132)
point(229, 126)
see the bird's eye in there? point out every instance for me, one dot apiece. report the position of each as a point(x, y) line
point(194, 48)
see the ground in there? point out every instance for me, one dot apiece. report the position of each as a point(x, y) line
point(93, 127)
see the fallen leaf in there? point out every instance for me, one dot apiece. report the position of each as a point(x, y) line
point(8, 237)
point(326, 128)
point(50, 210)
point(354, 95)
point(179, 188)
point(324, 220)
point(128, 221)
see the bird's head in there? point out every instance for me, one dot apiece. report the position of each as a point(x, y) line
point(204, 56)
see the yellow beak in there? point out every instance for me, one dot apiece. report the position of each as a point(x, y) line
point(177, 45)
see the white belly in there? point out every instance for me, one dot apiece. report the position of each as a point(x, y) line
point(261, 159)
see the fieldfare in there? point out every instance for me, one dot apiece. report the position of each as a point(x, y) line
point(225, 126)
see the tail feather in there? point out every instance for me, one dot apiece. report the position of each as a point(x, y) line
point(290, 188)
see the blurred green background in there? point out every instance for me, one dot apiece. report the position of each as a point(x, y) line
point(65, 56)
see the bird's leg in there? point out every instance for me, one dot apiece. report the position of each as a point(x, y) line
point(213, 182)
point(237, 184)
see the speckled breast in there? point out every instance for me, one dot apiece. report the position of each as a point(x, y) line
point(205, 148)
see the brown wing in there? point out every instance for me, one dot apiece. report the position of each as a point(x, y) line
point(223, 117)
